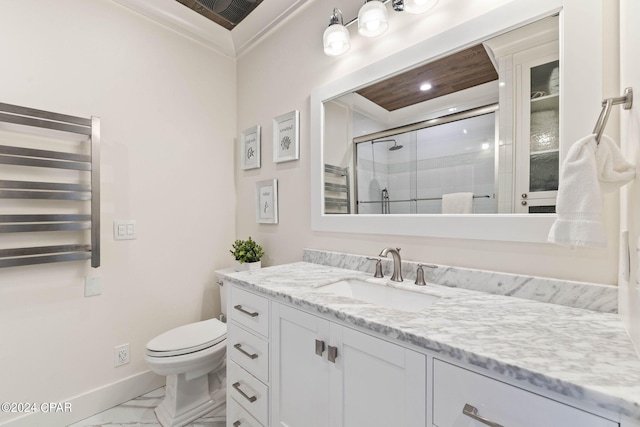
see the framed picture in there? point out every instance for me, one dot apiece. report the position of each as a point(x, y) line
point(250, 148)
point(286, 140)
point(267, 201)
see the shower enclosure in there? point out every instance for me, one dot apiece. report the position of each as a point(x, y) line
point(408, 172)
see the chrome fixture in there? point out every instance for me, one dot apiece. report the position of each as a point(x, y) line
point(386, 204)
point(373, 20)
point(627, 102)
point(420, 276)
point(336, 37)
point(397, 263)
point(378, 272)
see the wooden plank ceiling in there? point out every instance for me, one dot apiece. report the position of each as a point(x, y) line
point(227, 13)
point(462, 70)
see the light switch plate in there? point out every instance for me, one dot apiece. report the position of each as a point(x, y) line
point(124, 230)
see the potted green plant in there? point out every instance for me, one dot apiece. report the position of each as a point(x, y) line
point(247, 254)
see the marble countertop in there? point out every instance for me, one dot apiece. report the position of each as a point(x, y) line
point(577, 353)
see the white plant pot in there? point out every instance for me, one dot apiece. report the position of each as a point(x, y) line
point(246, 266)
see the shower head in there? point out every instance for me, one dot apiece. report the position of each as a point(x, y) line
point(395, 146)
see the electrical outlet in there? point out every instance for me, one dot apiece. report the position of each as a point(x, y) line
point(121, 355)
point(92, 286)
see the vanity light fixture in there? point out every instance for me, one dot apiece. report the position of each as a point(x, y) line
point(373, 18)
point(336, 37)
point(418, 6)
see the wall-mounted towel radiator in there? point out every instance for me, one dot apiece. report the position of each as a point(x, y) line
point(29, 162)
point(337, 184)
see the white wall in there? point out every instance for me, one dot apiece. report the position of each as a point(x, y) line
point(278, 76)
point(168, 111)
point(630, 135)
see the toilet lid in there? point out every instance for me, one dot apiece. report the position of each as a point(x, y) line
point(188, 338)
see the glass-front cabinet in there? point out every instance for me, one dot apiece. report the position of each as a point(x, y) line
point(537, 128)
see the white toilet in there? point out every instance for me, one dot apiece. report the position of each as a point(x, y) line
point(192, 357)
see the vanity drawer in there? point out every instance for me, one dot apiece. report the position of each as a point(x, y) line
point(249, 392)
point(248, 351)
point(250, 310)
point(237, 416)
point(455, 387)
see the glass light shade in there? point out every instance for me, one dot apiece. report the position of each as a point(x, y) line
point(336, 40)
point(418, 6)
point(373, 19)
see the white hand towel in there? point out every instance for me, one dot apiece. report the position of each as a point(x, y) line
point(588, 171)
point(457, 203)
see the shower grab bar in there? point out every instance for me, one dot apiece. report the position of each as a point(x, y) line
point(627, 102)
point(486, 196)
point(49, 191)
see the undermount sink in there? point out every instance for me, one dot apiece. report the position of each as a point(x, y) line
point(378, 294)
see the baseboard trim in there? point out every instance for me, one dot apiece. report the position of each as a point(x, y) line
point(92, 402)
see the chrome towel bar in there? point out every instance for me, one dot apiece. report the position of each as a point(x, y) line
point(627, 102)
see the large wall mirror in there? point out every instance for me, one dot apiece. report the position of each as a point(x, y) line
point(475, 153)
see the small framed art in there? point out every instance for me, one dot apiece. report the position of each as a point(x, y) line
point(250, 148)
point(267, 201)
point(286, 137)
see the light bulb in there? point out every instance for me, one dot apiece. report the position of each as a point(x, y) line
point(418, 6)
point(336, 37)
point(373, 18)
point(336, 40)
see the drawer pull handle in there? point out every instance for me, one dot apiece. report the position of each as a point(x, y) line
point(472, 412)
point(249, 398)
point(241, 350)
point(332, 355)
point(242, 310)
point(236, 423)
point(319, 347)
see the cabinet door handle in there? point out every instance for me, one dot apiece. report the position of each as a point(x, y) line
point(236, 423)
point(241, 350)
point(472, 412)
point(332, 354)
point(249, 398)
point(319, 347)
point(242, 310)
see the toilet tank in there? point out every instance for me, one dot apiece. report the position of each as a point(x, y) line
point(223, 291)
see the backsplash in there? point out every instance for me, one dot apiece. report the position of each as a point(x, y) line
point(589, 296)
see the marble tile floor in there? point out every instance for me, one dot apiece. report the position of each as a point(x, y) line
point(138, 412)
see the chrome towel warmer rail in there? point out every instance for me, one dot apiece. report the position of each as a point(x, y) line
point(627, 102)
point(341, 187)
point(51, 191)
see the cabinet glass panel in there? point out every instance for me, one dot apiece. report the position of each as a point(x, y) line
point(544, 128)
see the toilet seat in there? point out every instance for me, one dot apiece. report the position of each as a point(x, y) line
point(187, 339)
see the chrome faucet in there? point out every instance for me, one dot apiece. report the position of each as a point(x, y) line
point(397, 263)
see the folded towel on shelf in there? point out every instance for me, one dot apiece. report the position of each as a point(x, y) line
point(457, 203)
point(588, 171)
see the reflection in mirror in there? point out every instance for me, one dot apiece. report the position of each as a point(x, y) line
point(482, 132)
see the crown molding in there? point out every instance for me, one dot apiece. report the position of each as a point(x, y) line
point(179, 18)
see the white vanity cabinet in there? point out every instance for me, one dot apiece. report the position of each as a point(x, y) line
point(247, 359)
point(328, 375)
point(291, 368)
point(462, 398)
